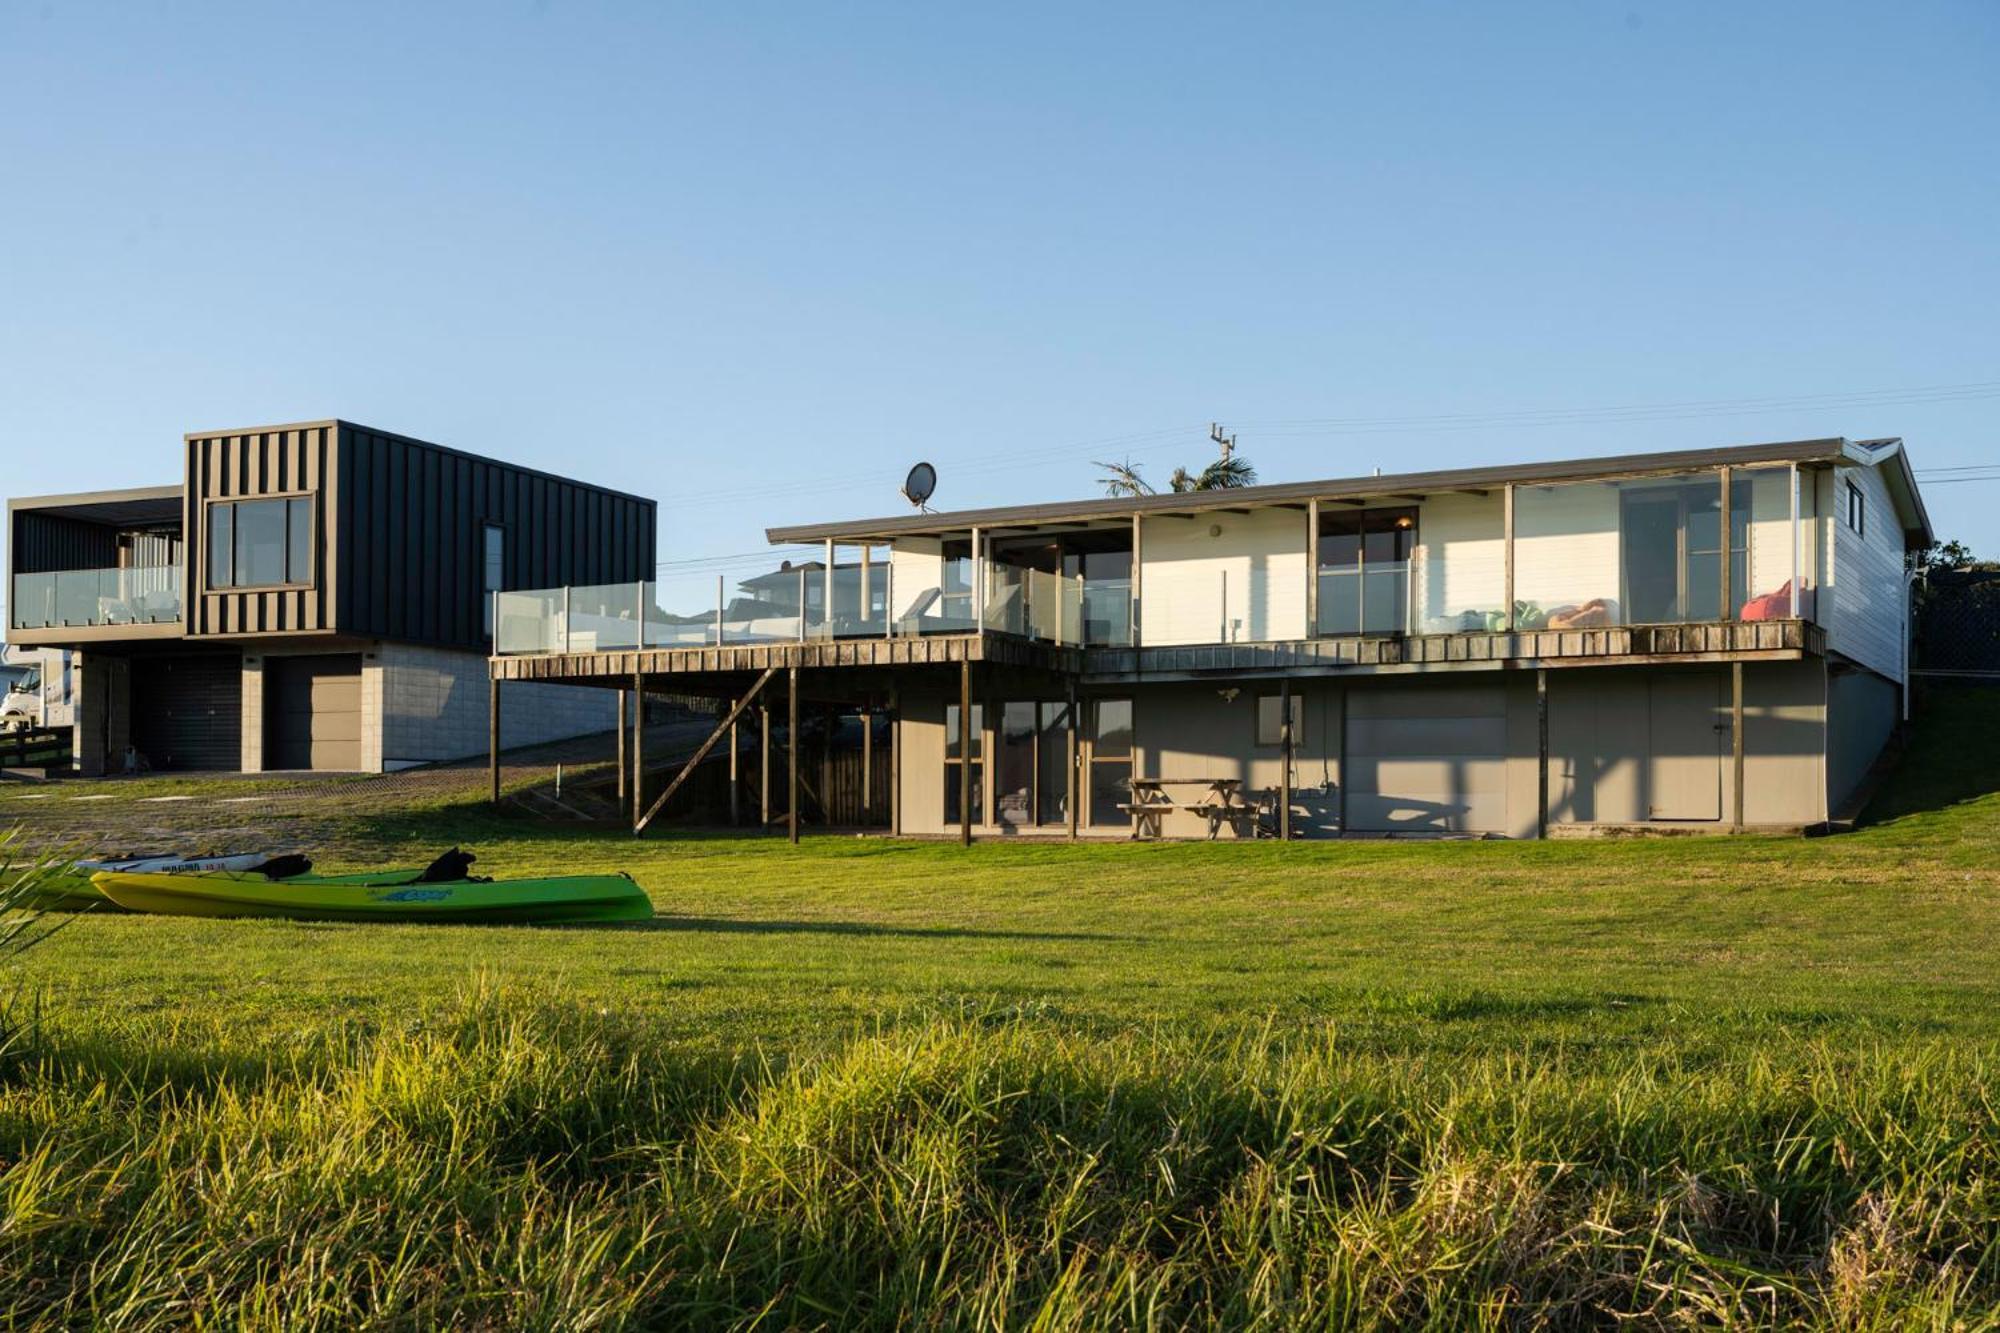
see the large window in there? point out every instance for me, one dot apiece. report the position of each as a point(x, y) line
point(1110, 761)
point(493, 569)
point(260, 543)
point(959, 769)
point(1014, 784)
point(1364, 570)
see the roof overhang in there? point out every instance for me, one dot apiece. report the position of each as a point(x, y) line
point(139, 506)
point(1345, 488)
point(1894, 460)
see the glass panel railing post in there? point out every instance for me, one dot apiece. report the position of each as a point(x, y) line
point(718, 610)
point(802, 604)
point(889, 600)
point(565, 622)
point(639, 609)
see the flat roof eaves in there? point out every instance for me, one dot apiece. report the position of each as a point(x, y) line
point(135, 504)
point(337, 422)
point(1579, 469)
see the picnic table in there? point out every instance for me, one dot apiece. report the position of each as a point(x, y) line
point(1222, 802)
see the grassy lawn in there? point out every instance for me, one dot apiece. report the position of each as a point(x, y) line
point(1706, 1079)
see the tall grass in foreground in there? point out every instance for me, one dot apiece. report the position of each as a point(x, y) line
point(516, 1165)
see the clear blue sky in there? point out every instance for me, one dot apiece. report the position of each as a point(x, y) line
point(701, 253)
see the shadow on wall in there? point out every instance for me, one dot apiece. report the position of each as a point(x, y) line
point(1954, 734)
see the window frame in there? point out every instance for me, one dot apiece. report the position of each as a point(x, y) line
point(486, 594)
point(1257, 720)
point(1857, 510)
point(979, 762)
point(1090, 759)
point(285, 498)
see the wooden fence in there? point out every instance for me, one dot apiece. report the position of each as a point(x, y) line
point(44, 747)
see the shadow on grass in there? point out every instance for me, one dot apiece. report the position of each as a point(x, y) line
point(741, 926)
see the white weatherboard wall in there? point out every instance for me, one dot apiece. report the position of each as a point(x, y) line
point(433, 703)
point(916, 564)
point(1461, 561)
point(1566, 546)
point(1867, 590)
point(1245, 583)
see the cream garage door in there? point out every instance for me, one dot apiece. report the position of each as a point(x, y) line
point(1427, 760)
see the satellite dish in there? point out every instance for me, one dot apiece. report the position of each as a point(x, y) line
point(917, 487)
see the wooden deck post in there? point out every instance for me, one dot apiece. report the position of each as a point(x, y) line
point(965, 753)
point(1542, 752)
point(1736, 745)
point(1137, 602)
point(792, 754)
point(829, 716)
point(1726, 609)
point(1285, 758)
point(764, 764)
point(493, 736)
point(895, 763)
point(735, 777)
point(867, 764)
point(622, 776)
point(1072, 787)
point(638, 745)
point(1312, 569)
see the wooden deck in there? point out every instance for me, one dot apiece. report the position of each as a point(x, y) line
point(618, 665)
point(1746, 641)
point(1750, 641)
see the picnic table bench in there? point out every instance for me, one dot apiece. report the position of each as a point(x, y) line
point(1221, 803)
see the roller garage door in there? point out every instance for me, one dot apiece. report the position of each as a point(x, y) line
point(1427, 760)
point(187, 711)
point(312, 712)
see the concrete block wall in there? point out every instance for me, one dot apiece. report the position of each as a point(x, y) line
point(253, 713)
point(420, 705)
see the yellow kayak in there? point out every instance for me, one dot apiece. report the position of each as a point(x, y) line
point(354, 898)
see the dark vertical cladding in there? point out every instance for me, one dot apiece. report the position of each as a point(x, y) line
point(411, 562)
point(51, 541)
point(397, 532)
point(287, 461)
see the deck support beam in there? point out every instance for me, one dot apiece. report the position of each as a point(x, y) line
point(965, 754)
point(725, 727)
point(895, 763)
point(638, 744)
point(764, 765)
point(792, 755)
point(623, 777)
point(493, 737)
point(735, 775)
point(1285, 759)
point(1541, 752)
point(1736, 746)
point(1072, 790)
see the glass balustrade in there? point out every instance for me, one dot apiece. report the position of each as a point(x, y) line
point(147, 595)
point(790, 605)
point(1585, 554)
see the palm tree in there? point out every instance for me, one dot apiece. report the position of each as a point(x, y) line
point(1226, 473)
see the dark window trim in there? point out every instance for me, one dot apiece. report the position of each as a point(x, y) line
point(210, 588)
point(1257, 719)
point(486, 609)
point(1857, 510)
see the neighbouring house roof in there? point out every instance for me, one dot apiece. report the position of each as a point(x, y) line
point(1887, 454)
